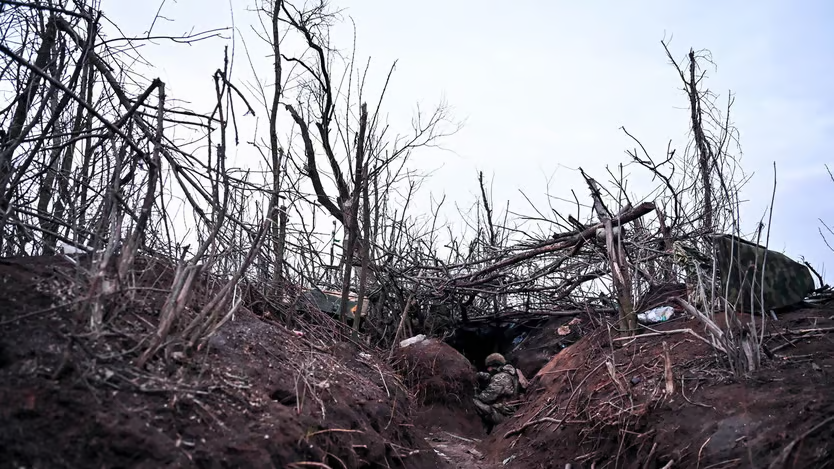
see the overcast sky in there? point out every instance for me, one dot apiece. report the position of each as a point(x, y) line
point(542, 88)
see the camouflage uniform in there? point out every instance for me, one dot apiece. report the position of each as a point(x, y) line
point(502, 387)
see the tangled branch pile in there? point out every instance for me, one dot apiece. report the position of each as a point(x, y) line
point(89, 164)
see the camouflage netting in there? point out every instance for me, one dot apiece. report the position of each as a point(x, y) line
point(329, 302)
point(786, 281)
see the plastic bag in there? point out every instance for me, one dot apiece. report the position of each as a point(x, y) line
point(660, 314)
point(412, 340)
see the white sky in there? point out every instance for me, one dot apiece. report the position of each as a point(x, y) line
point(543, 87)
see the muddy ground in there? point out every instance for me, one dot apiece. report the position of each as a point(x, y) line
point(261, 394)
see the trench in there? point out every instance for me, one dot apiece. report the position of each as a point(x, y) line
point(528, 345)
point(475, 342)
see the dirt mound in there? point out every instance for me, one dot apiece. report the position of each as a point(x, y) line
point(604, 403)
point(443, 382)
point(258, 395)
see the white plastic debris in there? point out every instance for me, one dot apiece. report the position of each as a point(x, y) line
point(69, 249)
point(412, 340)
point(366, 356)
point(659, 314)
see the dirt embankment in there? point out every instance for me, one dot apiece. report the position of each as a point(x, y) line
point(443, 382)
point(259, 395)
point(535, 349)
point(604, 403)
point(262, 395)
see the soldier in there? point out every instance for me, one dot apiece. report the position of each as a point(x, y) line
point(501, 381)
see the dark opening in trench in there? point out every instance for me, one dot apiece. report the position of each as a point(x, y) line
point(527, 345)
point(477, 341)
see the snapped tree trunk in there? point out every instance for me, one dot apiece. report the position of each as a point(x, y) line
point(351, 212)
point(279, 246)
point(366, 252)
point(705, 155)
point(621, 280)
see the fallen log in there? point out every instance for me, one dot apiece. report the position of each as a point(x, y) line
point(524, 315)
point(562, 243)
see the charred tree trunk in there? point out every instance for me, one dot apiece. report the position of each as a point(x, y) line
point(277, 153)
point(705, 155)
point(366, 252)
point(280, 246)
point(351, 213)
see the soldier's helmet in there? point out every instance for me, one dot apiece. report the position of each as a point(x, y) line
point(495, 359)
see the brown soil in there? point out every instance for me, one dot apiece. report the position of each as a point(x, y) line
point(257, 396)
point(261, 395)
point(443, 382)
point(576, 414)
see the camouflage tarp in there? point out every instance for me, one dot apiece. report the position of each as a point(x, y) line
point(786, 281)
point(329, 302)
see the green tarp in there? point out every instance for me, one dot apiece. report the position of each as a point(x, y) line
point(786, 281)
point(329, 302)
